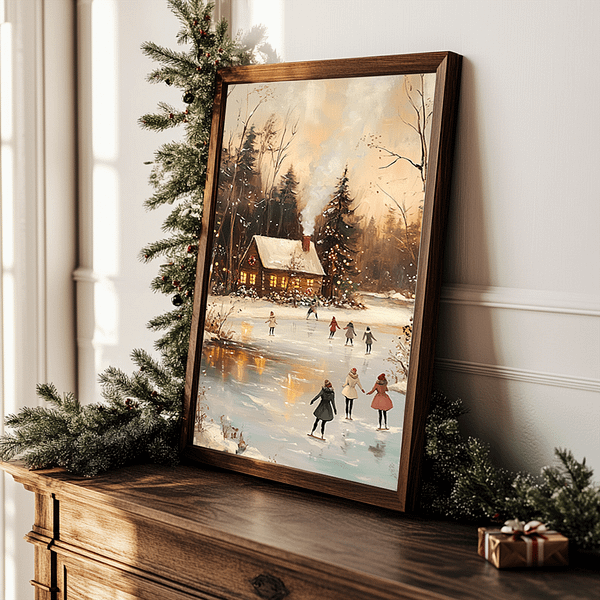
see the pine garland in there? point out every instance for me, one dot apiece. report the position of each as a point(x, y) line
point(179, 169)
point(139, 420)
point(460, 481)
point(90, 439)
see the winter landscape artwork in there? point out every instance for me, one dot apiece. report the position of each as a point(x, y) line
point(307, 304)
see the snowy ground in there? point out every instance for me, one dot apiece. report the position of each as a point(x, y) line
point(263, 385)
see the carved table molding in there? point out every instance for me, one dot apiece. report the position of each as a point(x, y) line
point(148, 532)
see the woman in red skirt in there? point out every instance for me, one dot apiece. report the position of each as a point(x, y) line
point(382, 402)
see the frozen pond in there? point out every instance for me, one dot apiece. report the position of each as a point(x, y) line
point(261, 385)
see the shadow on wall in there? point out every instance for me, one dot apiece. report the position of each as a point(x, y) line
point(466, 329)
point(255, 42)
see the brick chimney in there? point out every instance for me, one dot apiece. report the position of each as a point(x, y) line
point(306, 243)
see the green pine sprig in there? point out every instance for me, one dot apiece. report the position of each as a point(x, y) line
point(568, 500)
point(89, 439)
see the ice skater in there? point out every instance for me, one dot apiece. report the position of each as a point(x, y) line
point(350, 334)
point(326, 409)
point(382, 402)
point(369, 338)
point(349, 391)
point(272, 322)
point(312, 309)
point(333, 326)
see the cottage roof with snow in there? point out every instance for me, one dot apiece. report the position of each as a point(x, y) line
point(288, 255)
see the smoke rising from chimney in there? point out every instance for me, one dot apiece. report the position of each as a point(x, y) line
point(365, 99)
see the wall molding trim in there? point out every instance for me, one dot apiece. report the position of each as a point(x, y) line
point(86, 275)
point(512, 374)
point(521, 299)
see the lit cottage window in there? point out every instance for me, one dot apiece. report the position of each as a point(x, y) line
point(310, 282)
point(273, 280)
point(252, 278)
point(283, 281)
point(243, 277)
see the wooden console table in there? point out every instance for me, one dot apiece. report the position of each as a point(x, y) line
point(149, 532)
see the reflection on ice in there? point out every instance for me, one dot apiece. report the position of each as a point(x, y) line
point(378, 450)
point(262, 385)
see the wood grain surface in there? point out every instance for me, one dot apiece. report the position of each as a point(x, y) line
point(202, 533)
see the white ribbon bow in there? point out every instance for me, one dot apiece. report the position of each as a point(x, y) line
point(516, 527)
point(528, 533)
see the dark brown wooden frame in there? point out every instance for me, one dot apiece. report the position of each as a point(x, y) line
point(447, 67)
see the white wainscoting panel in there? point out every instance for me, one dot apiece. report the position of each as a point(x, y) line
point(527, 366)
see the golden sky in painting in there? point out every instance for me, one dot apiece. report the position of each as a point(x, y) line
point(335, 119)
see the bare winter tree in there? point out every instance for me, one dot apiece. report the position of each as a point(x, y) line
point(422, 107)
point(278, 145)
point(400, 356)
point(406, 241)
point(243, 155)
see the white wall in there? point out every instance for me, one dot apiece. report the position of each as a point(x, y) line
point(114, 298)
point(519, 337)
point(520, 321)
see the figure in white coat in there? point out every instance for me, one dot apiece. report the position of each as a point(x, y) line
point(349, 391)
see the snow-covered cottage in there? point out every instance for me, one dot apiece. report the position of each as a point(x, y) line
point(281, 265)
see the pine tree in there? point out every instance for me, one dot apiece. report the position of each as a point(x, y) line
point(335, 241)
point(237, 183)
point(287, 198)
point(139, 419)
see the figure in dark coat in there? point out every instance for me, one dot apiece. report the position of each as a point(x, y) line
point(326, 409)
point(369, 338)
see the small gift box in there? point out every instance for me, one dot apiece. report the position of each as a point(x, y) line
point(519, 544)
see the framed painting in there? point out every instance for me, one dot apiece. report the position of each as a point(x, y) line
point(318, 277)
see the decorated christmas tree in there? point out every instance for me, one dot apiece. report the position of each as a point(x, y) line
point(335, 241)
